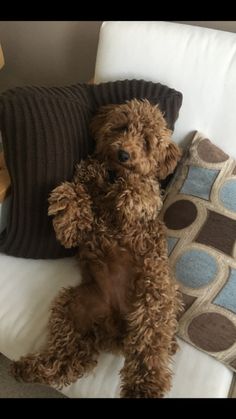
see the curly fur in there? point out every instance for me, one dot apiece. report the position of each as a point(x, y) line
point(128, 300)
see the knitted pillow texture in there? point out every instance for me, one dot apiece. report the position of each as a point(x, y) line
point(45, 132)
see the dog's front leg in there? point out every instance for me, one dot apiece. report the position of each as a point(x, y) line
point(136, 199)
point(71, 208)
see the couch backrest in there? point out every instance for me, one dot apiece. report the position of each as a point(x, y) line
point(199, 62)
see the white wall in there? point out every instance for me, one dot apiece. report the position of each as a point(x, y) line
point(57, 52)
point(48, 53)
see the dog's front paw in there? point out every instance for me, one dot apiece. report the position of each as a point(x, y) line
point(66, 230)
point(60, 197)
point(70, 206)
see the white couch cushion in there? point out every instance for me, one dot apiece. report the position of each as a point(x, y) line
point(199, 62)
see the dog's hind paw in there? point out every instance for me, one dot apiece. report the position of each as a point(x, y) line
point(19, 370)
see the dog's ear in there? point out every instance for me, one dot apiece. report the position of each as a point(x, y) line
point(170, 156)
point(98, 122)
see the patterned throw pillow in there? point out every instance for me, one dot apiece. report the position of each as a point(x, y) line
point(200, 214)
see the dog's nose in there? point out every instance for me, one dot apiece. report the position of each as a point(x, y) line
point(123, 156)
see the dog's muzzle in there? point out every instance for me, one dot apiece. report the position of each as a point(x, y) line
point(123, 156)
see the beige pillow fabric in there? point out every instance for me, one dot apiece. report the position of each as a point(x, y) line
point(200, 214)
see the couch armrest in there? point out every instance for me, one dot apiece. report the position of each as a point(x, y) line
point(4, 178)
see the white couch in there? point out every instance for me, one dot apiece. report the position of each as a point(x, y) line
point(201, 63)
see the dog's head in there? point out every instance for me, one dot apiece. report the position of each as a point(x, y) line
point(134, 137)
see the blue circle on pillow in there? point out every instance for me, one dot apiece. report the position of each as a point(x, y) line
point(228, 194)
point(196, 268)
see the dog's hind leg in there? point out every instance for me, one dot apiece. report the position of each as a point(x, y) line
point(152, 325)
point(68, 355)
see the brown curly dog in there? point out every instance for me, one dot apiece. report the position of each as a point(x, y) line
point(128, 300)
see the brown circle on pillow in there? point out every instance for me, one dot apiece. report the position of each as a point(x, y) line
point(212, 332)
point(180, 215)
point(210, 153)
